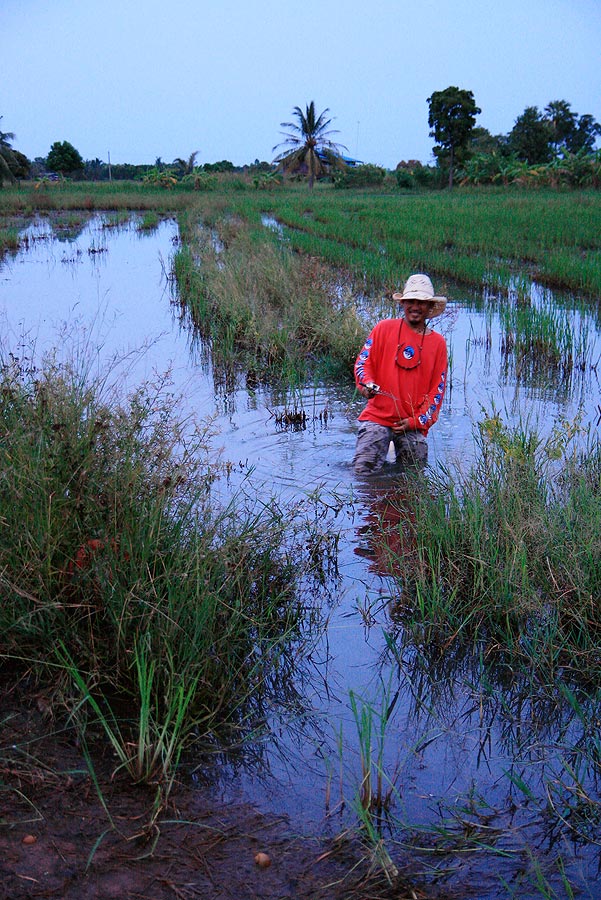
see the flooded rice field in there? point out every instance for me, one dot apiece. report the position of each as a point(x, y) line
point(471, 767)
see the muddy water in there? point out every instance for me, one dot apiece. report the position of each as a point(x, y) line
point(448, 741)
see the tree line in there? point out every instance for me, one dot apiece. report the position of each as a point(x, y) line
point(64, 160)
point(537, 137)
point(557, 140)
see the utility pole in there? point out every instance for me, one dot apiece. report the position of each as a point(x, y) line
point(110, 173)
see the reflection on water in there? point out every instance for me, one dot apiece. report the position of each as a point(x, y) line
point(464, 739)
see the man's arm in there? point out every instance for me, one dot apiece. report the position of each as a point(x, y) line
point(365, 376)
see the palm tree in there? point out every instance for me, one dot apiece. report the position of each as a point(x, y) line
point(309, 148)
point(186, 166)
point(7, 156)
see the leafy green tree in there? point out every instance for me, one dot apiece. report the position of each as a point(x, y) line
point(309, 148)
point(531, 137)
point(563, 124)
point(584, 136)
point(64, 158)
point(452, 118)
point(260, 166)
point(22, 165)
point(482, 141)
point(538, 138)
point(223, 165)
point(95, 170)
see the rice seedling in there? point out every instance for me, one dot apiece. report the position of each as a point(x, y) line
point(150, 221)
point(376, 790)
point(116, 220)
point(477, 236)
point(372, 795)
point(538, 339)
point(9, 240)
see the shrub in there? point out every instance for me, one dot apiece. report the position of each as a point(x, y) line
point(361, 176)
point(200, 181)
point(427, 176)
point(404, 179)
point(412, 173)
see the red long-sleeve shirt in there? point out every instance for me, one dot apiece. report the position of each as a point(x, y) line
point(418, 391)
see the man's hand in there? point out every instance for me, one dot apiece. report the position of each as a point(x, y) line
point(401, 426)
point(369, 389)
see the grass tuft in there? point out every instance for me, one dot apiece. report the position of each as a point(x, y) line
point(128, 591)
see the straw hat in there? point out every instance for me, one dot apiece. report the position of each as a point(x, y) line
point(419, 287)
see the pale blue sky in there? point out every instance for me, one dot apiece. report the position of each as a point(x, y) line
point(149, 79)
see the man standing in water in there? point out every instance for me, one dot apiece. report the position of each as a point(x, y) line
point(402, 371)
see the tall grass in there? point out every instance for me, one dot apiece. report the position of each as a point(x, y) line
point(508, 553)
point(259, 302)
point(128, 593)
point(9, 239)
point(539, 340)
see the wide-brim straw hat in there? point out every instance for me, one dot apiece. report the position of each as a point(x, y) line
point(419, 287)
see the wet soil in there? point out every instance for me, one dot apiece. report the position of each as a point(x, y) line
point(66, 832)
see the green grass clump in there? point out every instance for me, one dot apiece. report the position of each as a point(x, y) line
point(538, 340)
point(507, 555)
point(9, 240)
point(150, 221)
point(127, 590)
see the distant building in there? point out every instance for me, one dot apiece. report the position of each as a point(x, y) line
point(348, 160)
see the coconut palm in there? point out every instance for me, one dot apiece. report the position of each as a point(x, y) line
point(186, 166)
point(7, 156)
point(308, 145)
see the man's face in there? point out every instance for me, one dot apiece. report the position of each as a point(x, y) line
point(416, 312)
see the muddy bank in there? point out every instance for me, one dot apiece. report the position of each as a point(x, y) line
point(73, 834)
